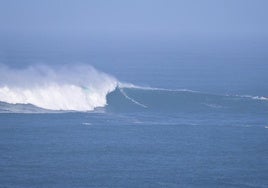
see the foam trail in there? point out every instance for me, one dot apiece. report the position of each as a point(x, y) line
point(78, 88)
point(132, 100)
point(262, 98)
point(132, 86)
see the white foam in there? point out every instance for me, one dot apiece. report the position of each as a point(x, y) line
point(260, 98)
point(79, 88)
point(254, 97)
point(132, 86)
point(86, 123)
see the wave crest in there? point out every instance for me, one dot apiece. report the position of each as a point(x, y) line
point(79, 88)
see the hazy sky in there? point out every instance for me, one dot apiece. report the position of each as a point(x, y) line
point(134, 18)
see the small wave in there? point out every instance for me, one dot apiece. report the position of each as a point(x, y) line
point(253, 97)
point(260, 98)
point(213, 105)
point(86, 123)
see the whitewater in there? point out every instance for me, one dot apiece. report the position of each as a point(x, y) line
point(79, 88)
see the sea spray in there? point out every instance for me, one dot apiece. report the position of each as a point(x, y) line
point(79, 88)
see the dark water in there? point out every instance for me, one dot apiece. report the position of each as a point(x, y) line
point(214, 134)
point(112, 150)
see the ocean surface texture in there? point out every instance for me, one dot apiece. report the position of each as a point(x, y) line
point(179, 115)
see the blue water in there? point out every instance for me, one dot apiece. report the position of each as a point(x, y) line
point(178, 116)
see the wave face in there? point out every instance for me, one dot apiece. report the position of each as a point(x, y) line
point(78, 88)
point(42, 89)
point(163, 100)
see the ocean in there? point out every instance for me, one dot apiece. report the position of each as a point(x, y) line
point(133, 114)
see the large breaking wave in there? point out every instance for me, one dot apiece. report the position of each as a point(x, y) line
point(79, 88)
point(41, 89)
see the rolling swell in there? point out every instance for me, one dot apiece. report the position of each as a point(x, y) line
point(162, 100)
